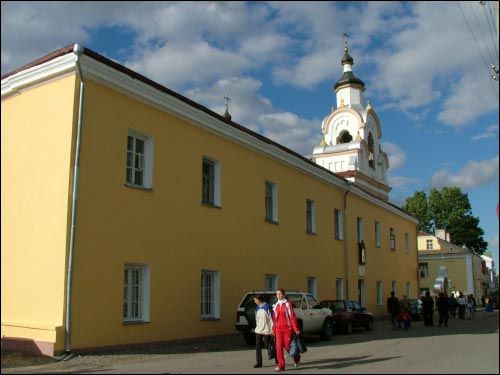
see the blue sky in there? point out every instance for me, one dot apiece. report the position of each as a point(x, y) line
point(425, 66)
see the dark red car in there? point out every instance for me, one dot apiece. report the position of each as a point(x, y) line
point(348, 315)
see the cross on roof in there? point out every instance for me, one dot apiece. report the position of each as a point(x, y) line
point(228, 99)
point(345, 40)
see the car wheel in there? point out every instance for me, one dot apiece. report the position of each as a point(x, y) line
point(249, 338)
point(369, 325)
point(327, 332)
point(348, 329)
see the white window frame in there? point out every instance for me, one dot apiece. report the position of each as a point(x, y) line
point(210, 295)
point(378, 234)
point(394, 287)
point(339, 284)
point(310, 220)
point(423, 269)
point(271, 282)
point(274, 201)
point(392, 239)
point(359, 222)
point(379, 293)
point(216, 188)
point(429, 242)
point(407, 242)
point(312, 286)
point(147, 160)
point(408, 289)
point(337, 224)
point(143, 294)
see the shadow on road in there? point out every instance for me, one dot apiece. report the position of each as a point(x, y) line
point(337, 363)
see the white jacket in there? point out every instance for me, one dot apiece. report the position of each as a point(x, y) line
point(263, 320)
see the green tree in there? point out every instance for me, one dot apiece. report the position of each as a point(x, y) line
point(448, 205)
point(447, 209)
point(417, 206)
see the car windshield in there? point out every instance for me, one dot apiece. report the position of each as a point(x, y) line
point(270, 298)
point(333, 305)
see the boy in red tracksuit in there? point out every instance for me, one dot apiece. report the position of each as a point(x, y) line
point(285, 324)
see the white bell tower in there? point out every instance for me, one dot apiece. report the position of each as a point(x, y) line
point(351, 136)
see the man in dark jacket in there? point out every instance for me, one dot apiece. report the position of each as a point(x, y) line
point(393, 309)
point(442, 306)
point(428, 307)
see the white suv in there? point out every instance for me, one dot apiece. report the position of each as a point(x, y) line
point(311, 317)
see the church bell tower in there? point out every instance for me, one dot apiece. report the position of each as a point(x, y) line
point(351, 136)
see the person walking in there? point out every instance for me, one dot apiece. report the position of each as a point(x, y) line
point(428, 307)
point(284, 326)
point(443, 307)
point(263, 327)
point(393, 309)
point(404, 307)
point(452, 305)
point(461, 306)
point(470, 307)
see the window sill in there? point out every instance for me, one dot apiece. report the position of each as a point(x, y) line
point(270, 221)
point(210, 205)
point(339, 239)
point(209, 319)
point(311, 233)
point(378, 246)
point(134, 322)
point(138, 187)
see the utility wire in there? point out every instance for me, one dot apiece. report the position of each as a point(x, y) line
point(489, 26)
point(492, 59)
point(481, 53)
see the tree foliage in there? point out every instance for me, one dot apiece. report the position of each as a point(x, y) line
point(447, 209)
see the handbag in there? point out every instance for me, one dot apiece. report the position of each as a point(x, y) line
point(271, 348)
point(301, 344)
point(294, 347)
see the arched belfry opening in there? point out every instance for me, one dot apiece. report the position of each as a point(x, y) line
point(344, 137)
point(371, 151)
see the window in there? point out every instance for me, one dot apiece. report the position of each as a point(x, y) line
point(311, 301)
point(379, 293)
point(377, 234)
point(393, 287)
point(312, 287)
point(408, 289)
point(210, 192)
point(371, 151)
point(139, 160)
point(271, 282)
point(337, 222)
point(310, 216)
point(392, 237)
point(339, 285)
point(429, 244)
point(360, 229)
point(210, 290)
point(423, 270)
point(407, 242)
point(136, 293)
point(271, 202)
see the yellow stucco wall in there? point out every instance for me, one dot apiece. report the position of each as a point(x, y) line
point(172, 232)
point(36, 154)
point(166, 228)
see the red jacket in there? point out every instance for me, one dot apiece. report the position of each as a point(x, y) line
point(284, 318)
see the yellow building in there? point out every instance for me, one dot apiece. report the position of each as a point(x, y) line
point(131, 214)
point(465, 270)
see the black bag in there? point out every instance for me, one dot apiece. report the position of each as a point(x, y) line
point(271, 348)
point(301, 344)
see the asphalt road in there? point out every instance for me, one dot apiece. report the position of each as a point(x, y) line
point(464, 347)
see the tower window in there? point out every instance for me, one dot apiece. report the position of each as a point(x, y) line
point(344, 137)
point(371, 151)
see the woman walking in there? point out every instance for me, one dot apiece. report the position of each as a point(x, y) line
point(285, 324)
point(263, 327)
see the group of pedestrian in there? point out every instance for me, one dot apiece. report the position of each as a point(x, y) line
point(400, 312)
point(278, 323)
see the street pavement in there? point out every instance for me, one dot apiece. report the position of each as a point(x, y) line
point(464, 347)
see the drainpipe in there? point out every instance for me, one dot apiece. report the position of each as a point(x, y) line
point(346, 238)
point(78, 51)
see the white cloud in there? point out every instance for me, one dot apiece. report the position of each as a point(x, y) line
point(491, 132)
point(473, 174)
point(397, 157)
point(252, 110)
point(493, 242)
point(397, 182)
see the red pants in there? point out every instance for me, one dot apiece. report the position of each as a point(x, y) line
point(283, 339)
